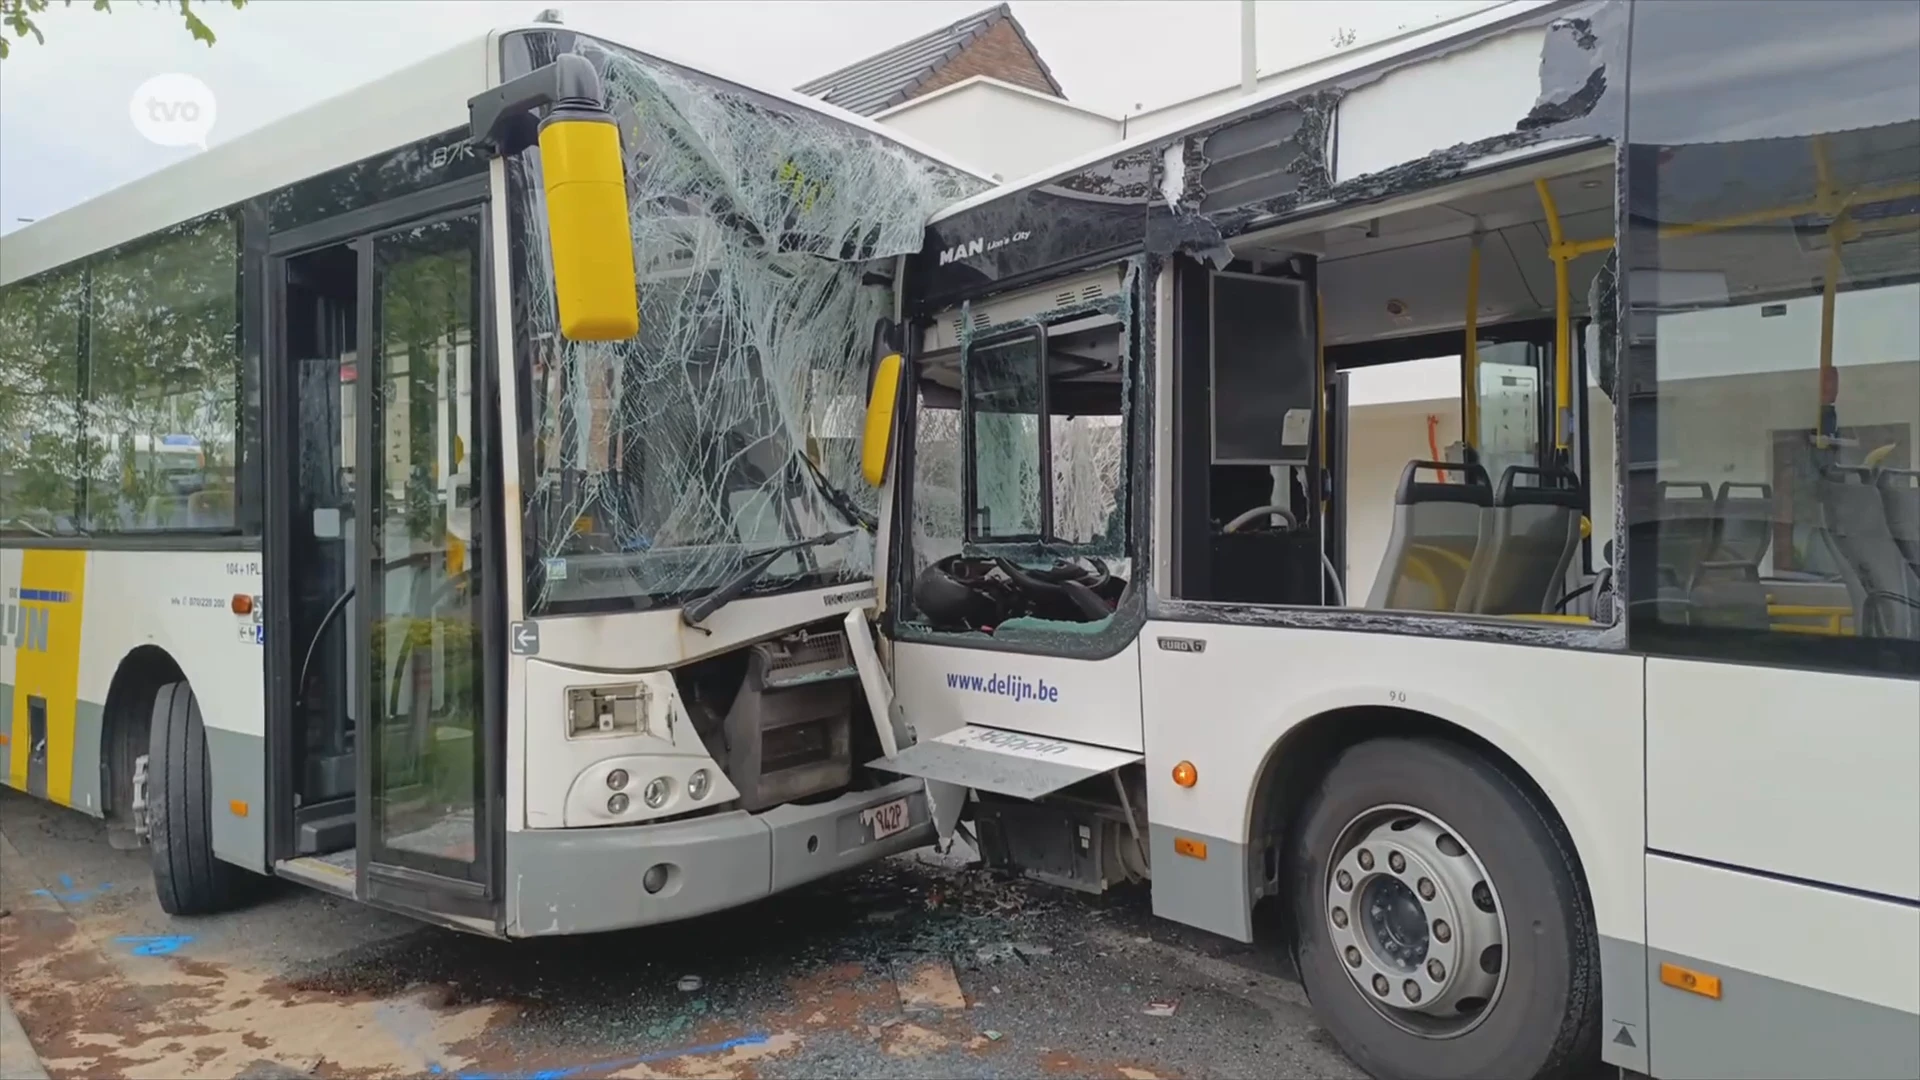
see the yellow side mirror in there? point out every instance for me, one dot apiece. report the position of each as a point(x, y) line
point(876, 441)
point(588, 226)
point(584, 174)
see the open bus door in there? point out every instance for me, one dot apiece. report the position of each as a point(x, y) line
point(382, 573)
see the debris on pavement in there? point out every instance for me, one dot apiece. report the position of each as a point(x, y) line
point(930, 986)
point(690, 983)
point(1161, 1008)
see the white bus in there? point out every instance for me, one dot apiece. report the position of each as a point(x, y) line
point(1462, 501)
point(325, 553)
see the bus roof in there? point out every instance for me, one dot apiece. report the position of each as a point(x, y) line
point(1290, 84)
point(416, 102)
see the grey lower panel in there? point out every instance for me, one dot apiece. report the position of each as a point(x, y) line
point(811, 842)
point(1214, 893)
point(1623, 1004)
point(89, 757)
point(1765, 1027)
point(238, 765)
point(578, 881)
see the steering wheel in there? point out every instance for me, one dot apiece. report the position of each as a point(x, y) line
point(1079, 592)
point(1259, 512)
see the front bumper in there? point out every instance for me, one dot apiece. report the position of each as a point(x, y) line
point(582, 881)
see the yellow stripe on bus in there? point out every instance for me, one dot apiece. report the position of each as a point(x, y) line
point(49, 667)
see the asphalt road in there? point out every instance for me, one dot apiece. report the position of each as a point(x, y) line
point(920, 967)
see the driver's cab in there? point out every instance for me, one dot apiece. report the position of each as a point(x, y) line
point(1018, 507)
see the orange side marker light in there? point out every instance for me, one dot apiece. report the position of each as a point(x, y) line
point(1693, 982)
point(1185, 774)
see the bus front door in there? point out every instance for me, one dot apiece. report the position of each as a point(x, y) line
point(385, 715)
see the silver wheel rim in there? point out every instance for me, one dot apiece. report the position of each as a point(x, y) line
point(1416, 922)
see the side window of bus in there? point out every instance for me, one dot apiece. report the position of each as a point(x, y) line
point(1774, 365)
point(162, 378)
point(40, 322)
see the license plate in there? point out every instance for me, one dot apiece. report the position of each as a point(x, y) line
point(885, 819)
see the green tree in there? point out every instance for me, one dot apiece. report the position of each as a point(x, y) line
point(19, 15)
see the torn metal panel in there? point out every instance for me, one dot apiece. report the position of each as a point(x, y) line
point(658, 467)
point(1275, 161)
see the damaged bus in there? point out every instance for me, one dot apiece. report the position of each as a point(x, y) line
point(476, 597)
point(1454, 515)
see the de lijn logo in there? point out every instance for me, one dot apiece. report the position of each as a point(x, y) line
point(173, 110)
point(28, 614)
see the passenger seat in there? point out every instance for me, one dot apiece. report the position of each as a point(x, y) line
point(1900, 494)
point(1526, 544)
point(1885, 588)
point(1436, 529)
point(1724, 587)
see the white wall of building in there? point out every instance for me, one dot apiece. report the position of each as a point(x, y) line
point(1006, 129)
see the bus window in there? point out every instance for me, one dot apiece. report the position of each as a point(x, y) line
point(1776, 358)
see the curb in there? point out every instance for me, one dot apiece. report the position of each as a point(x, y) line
point(18, 1061)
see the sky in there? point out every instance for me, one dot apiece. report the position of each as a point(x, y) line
point(65, 133)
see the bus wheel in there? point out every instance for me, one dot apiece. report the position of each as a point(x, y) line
point(1440, 928)
point(187, 878)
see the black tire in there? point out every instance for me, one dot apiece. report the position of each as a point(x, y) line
point(1544, 1023)
point(187, 878)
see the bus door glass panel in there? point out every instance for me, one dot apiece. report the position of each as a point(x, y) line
point(1006, 399)
point(424, 686)
point(320, 308)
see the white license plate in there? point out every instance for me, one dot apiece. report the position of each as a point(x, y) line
point(885, 819)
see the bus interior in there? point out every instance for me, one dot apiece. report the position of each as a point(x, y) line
point(1385, 463)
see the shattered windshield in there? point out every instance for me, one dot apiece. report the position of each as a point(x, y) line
point(764, 239)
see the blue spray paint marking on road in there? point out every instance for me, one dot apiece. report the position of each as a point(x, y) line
point(154, 945)
point(69, 893)
point(619, 1063)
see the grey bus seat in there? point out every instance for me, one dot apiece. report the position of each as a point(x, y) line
point(1743, 522)
point(1900, 495)
point(1724, 587)
point(1884, 587)
point(1675, 519)
point(1436, 528)
point(1526, 543)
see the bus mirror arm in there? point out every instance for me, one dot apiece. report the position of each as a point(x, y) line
point(500, 120)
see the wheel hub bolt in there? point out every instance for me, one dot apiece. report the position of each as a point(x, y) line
point(1426, 889)
point(1340, 918)
point(1344, 880)
point(1395, 860)
point(1366, 859)
point(1353, 956)
point(1380, 985)
point(1412, 989)
point(1436, 970)
point(1441, 931)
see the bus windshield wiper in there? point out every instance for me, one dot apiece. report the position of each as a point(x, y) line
point(702, 607)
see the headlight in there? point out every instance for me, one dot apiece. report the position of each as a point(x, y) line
point(658, 789)
point(617, 803)
point(699, 784)
point(617, 780)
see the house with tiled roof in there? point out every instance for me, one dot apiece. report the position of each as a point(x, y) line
point(976, 88)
